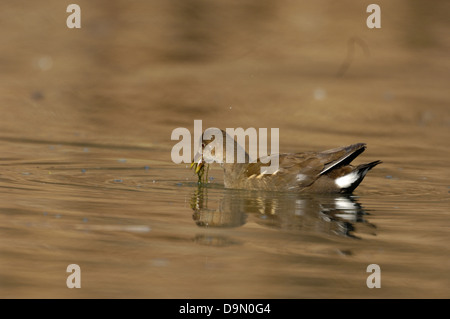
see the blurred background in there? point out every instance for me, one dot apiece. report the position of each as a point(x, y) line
point(137, 70)
point(86, 174)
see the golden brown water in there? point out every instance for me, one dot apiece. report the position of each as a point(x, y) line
point(86, 176)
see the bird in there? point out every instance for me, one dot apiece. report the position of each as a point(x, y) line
point(327, 171)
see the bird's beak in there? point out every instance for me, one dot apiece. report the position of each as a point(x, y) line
point(197, 163)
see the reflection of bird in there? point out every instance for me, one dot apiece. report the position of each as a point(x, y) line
point(316, 172)
point(329, 213)
point(229, 212)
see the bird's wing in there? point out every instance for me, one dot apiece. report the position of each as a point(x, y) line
point(304, 168)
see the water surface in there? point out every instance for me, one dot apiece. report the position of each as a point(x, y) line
point(86, 176)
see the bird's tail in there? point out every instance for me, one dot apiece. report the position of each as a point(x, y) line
point(360, 171)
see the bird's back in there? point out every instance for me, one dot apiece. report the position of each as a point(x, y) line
point(317, 172)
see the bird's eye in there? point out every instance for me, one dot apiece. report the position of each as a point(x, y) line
point(203, 145)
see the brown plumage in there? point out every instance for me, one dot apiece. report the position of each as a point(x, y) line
point(313, 172)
